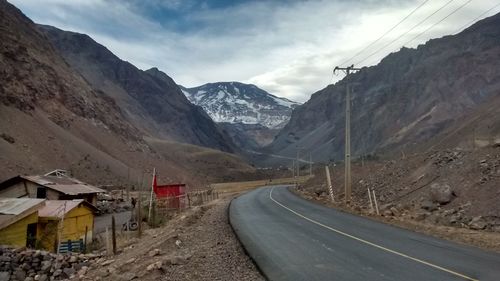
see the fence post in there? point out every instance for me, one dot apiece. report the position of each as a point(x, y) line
point(85, 245)
point(139, 217)
point(113, 233)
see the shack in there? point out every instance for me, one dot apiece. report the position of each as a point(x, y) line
point(18, 221)
point(55, 185)
point(70, 221)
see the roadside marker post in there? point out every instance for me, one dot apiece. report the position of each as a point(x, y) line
point(370, 198)
point(376, 204)
point(329, 182)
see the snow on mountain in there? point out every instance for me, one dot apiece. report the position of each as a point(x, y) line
point(234, 102)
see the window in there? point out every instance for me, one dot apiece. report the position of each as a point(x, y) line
point(41, 192)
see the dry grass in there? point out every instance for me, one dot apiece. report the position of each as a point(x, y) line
point(230, 187)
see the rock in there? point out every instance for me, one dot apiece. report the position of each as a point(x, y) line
point(178, 243)
point(477, 223)
point(386, 206)
point(428, 205)
point(154, 252)
point(83, 270)
point(177, 260)
point(127, 276)
point(57, 273)
point(153, 266)
point(107, 262)
point(395, 212)
point(28, 279)
point(130, 261)
point(4, 275)
point(20, 274)
point(421, 216)
point(73, 259)
point(441, 193)
point(69, 271)
point(387, 213)
point(46, 265)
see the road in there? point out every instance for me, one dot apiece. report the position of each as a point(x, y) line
point(101, 222)
point(290, 238)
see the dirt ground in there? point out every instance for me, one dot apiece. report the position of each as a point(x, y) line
point(197, 244)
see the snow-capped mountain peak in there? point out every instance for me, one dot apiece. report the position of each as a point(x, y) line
point(234, 102)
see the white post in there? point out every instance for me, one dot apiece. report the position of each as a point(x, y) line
point(329, 182)
point(370, 198)
point(151, 195)
point(376, 204)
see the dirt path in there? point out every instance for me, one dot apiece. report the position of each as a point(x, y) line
point(197, 244)
point(218, 254)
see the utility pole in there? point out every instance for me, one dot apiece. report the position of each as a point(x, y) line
point(297, 161)
point(310, 165)
point(347, 160)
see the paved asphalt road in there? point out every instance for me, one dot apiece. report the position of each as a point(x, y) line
point(293, 239)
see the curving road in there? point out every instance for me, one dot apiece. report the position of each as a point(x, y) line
point(293, 239)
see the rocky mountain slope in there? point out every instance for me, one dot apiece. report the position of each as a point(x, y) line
point(410, 97)
point(51, 117)
point(150, 99)
point(234, 102)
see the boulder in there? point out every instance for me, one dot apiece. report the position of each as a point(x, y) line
point(477, 223)
point(441, 193)
point(428, 205)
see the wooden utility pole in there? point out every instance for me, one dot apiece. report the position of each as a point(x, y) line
point(347, 160)
point(310, 165)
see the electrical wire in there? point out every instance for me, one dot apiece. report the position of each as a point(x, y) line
point(408, 31)
point(383, 35)
point(478, 17)
point(432, 26)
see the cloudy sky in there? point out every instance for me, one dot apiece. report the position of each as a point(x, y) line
point(287, 47)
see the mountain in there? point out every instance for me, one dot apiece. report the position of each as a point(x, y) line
point(150, 99)
point(234, 102)
point(52, 117)
point(412, 97)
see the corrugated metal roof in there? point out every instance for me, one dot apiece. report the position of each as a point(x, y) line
point(16, 206)
point(65, 185)
point(56, 208)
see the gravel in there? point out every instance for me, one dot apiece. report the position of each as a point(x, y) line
point(218, 255)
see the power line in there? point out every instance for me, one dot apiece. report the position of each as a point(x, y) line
point(408, 31)
point(432, 26)
point(478, 17)
point(387, 32)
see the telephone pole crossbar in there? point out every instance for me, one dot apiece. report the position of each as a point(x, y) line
point(347, 159)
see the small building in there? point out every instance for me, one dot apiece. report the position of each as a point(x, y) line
point(19, 221)
point(72, 220)
point(55, 185)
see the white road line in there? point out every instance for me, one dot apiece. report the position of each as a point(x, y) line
point(370, 243)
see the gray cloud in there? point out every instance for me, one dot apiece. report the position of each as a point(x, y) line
point(288, 48)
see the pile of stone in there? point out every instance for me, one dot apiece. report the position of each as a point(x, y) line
point(29, 265)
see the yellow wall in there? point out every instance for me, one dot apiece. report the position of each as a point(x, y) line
point(15, 234)
point(73, 229)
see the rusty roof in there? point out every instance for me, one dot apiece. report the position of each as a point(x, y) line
point(58, 208)
point(66, 185)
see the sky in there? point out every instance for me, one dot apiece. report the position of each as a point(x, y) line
point(286, 47)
